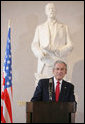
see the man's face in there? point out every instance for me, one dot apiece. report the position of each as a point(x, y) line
point(50, 11)
point(59, 71)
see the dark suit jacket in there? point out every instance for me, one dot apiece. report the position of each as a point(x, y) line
point(42, 94)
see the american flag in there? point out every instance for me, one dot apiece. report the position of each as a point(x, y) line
point(6, 89)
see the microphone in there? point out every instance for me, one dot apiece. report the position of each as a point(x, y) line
point(50, 89)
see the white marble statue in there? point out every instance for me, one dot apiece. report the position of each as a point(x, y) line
point(51, 42)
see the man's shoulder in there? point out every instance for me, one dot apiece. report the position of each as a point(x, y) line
point(45, 80)
point(40, 26)
point(61, 25)
point(68, 83)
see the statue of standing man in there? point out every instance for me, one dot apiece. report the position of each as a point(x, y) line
point(51, 42)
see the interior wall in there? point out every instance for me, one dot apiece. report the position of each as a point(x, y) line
point(25, 16)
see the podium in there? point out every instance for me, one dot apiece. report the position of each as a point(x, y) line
point(50, 112)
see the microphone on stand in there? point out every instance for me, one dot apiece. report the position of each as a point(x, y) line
point(50, 89)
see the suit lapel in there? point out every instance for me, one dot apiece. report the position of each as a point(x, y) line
point(55, 33)
point(47, 32)
point(63, 91)
point(53, 94)
point(47, 29)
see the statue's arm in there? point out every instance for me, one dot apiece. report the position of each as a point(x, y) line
point(68, 46)
point(36, 45)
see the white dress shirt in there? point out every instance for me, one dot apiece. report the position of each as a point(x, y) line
point(55, 83)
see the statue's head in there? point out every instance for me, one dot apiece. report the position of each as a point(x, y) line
point(50, 10)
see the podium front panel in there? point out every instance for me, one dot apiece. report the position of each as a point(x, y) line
point(49, 112)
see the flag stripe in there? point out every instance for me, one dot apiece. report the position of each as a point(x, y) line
point(8, 103)
point(2, 117)
point(6, 114)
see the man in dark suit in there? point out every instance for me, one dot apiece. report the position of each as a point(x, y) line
point(55, 88)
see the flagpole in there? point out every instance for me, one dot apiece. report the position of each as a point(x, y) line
point(9, 27)
point(9, 23)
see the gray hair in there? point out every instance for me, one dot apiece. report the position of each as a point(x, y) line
point(60, 61)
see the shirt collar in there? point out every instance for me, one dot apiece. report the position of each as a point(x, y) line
point(53, 22)
point(57, 80)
